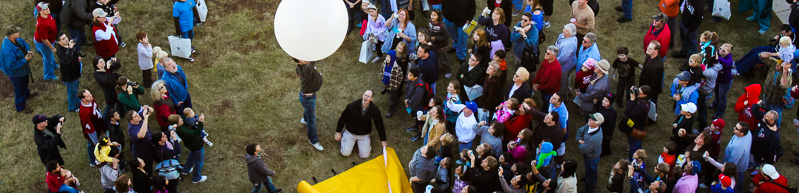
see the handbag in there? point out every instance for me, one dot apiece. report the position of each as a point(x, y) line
point(530, 58)
point(721, 8)
point(791, 189)
point(473, 92)
point(367, 52)
point(180, 47)
point(638, 134)
point(202, 10)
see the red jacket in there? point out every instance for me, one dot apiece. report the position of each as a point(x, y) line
point(664, 37)
point(769, 187)
point(91, 120)
point(162, 111)
point(548, 77)
point(54, 182)
point(515, 124)
point(109, 47)
point(751, 95)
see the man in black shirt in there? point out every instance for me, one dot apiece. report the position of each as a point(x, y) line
point(358, 117)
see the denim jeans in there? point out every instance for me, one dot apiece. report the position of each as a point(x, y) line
point(309, 114)
point(195, 162)
point(458, 37)
point(689, 43)
point(721, 98)
point(627, 6)
point(67, 188)
point(635, 144)
point(79, 35)
point(590, 173)
point(72, 95)
point(270, 187)
point(48, 59)
point(462, 145)
point(701, 110)
point(189, 34)
point(21, 92)
point(751, 58)
point(90, 147)
point(762, 13)
point(739, 181)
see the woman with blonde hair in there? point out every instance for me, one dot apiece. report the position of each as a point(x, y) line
point(492, 88)
point(159, 55)
point(162, 104)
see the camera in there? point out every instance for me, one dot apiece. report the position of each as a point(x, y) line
point(133, 84)
point(634, 90)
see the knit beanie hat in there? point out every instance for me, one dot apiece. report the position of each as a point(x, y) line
point(696, 167)
point(725, 181)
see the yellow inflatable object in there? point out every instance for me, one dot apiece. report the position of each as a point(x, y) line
point(382, 174)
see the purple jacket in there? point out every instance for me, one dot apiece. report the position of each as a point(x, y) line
point(725, 75)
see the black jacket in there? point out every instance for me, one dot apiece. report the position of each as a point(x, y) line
point(108, 82)
point(637, 111)
point(47, 145)
point(692, 14)
point(361, 124)
point(70, 66)
point(76, 13)
point(458, 11)
point(652, 75)
point(524, 92)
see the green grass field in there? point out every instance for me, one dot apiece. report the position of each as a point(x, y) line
point(246, 86)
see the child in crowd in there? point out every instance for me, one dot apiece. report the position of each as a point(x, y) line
point(499, 57)
point(715, 133)
point(442, 179)
point(506, 110)
point(786, 49)
point(519, 148)
point(145, 50)
point(669, 155)
point(191, 121)
point(102, 149)
point(375, 26)
point(638, 162)
point(624, 72)
point(453, 89)
point(723, 186)
point(458, 184)
point(583, 77)
point(617, 174)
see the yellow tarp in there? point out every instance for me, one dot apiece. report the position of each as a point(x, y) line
point(368, 177)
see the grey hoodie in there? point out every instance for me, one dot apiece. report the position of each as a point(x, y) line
point(711, 73)
point(256, 169)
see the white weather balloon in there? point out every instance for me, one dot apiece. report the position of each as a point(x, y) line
point(310, 30)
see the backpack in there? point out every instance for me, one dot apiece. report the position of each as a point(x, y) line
point(594, 4)
point(426, 95)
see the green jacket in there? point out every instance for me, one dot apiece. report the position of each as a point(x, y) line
point(130, 101)
point(192, 137)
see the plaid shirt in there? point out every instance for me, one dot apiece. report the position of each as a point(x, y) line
point(396, 78)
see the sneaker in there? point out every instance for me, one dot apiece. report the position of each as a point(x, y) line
point(122, 44)
point(317, 145)
point(619, 9)
point(411, 129)
point(761, 32)
point(303, 121)
point(191, 60)
point(447, 75)
point(751, 18)
point(193, 51)
point(388, 115)
point(546, 24)
point(202, 179)
point(53, 79)
point(416, 138)
point(624, 20)
point(93, 165)
point(57, 66)
point(377, 59)
point(703, 186)
point(516, 12)
point(278, 191)
point(209, 143)
point(186, 172)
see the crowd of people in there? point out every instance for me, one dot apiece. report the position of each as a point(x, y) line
point(482, 119)
point(488, 134)
point(156, 164)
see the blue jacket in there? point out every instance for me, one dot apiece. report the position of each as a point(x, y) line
point(178, 91)
point(568, 52)
point(391, 32)
point(583, 55)
point(13, 62)
point(688, 94)
point(519, 42)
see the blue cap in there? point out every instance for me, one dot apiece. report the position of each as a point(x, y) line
point(472, 106)
point(696, 167)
